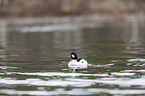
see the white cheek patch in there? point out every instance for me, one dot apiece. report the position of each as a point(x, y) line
point(73, 56)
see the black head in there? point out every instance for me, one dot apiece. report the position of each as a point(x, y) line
point(73, 55)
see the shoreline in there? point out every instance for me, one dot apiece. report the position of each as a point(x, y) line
point(57, 8)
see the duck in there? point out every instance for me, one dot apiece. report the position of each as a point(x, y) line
point(78, 63)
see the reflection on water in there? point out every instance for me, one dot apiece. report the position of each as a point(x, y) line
point(33, 56)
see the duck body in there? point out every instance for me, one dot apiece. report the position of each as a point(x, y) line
point(78, 63)
point(82, 64)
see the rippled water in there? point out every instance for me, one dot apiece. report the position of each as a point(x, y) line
point(33, 57)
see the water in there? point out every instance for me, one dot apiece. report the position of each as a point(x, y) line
point(33, 57)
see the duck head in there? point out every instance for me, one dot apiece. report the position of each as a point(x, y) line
point(73, 55)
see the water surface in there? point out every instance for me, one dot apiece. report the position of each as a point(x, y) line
point(33, 56)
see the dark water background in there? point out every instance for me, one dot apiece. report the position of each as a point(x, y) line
point(34, 51)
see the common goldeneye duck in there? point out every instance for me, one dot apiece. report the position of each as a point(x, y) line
point(76, 62)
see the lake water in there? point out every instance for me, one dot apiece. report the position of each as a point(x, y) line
point(34, 56)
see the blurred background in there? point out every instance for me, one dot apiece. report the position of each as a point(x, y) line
point(37, 36)
point(37, 8)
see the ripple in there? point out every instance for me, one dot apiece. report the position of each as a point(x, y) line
point(61, 74)
point(62, 79)
point(7, 67)
point(40, 82)
point(77, 79)
point(134, 71)
point(78, 91)
point(123, 82)
point(136, 60)
point(102, 65)
point(122, 74)
point(49, 28)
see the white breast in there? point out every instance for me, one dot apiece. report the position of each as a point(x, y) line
point(82, 64)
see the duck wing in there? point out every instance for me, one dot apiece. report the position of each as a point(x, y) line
point(78, 60)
